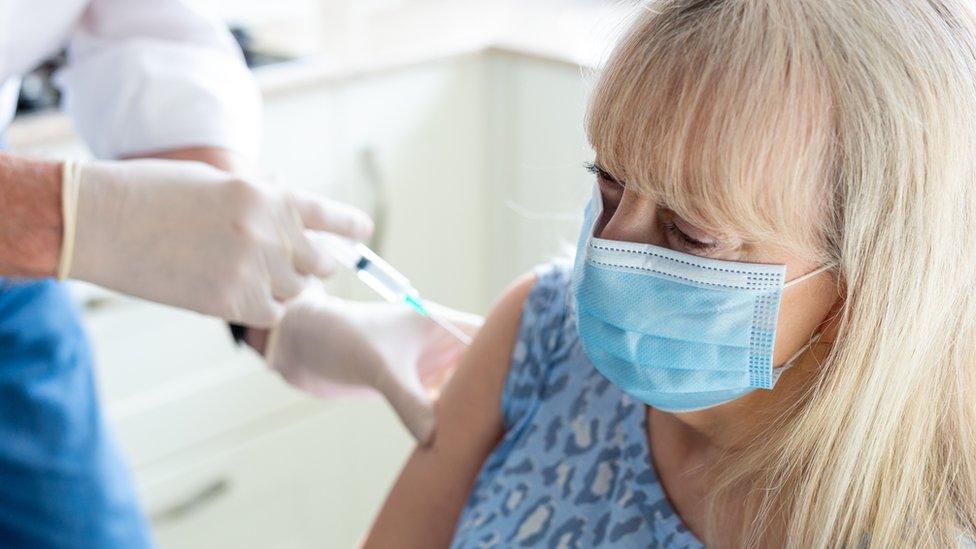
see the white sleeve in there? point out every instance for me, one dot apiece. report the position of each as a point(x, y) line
point(154, 75)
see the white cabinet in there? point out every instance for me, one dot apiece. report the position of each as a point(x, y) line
point(290, 484)
point(472, 167)
point(537, 184)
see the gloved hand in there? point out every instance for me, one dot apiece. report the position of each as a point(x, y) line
point(324, 343)
point(192, 236)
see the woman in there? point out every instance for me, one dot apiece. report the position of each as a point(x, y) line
point(769, 334)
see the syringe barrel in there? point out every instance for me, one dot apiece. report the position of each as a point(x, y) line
point(371, 268)
point(377, 273)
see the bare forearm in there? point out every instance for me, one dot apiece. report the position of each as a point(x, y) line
point(31, 222)
point(31, 225)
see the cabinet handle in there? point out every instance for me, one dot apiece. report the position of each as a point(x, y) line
point(196, 501)
point(94, 304)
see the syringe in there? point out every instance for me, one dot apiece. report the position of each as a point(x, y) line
point(379, 275)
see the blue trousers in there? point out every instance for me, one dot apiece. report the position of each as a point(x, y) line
point(63, 482)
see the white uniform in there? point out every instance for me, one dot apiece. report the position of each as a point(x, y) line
point(142, 75)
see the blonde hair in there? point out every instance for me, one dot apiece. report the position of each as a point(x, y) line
point(845, 130)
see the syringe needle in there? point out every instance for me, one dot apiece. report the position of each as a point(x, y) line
point(445, 324)
point(450, 328)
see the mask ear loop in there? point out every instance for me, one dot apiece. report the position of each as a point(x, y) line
point(790, 361)
point(813, 340)
point(808, 276)
point(596, 210)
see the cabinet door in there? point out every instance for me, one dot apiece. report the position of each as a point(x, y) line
point(405, 145)
point(473, 167)
point(536, 179)
point(170, 379)
point(417, 136)
point(141, 347)
point(313, 481)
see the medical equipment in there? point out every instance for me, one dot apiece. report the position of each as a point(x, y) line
point(389, 283)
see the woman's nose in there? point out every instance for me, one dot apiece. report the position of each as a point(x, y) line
point(634, 220)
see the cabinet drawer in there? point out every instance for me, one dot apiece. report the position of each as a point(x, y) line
point(171, 379)
point(315, 479)
point(141, 346)
point(195, 408)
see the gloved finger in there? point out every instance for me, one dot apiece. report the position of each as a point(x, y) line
point(262, 313)
point(288, 285)
point(416, 411)
point(333, 217)
point(409, 399)
point(286, 281)
point(313, 260)
point(250, 301)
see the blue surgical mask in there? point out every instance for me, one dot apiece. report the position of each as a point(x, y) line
point(677, 331)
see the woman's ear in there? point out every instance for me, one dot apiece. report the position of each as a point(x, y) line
point(830, 327)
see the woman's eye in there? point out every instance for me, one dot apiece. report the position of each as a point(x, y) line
point(675, 232)
point(603, 176)
point(611, 190)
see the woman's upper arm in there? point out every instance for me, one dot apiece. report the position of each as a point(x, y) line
point(424, 504)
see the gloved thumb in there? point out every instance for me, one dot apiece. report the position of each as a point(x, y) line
point(410, 401)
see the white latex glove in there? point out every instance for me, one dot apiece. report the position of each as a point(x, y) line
point(192, 236)
point(324, 343)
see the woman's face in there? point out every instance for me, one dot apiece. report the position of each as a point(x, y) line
point(632, 217)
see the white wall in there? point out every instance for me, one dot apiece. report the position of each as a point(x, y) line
point(582, 30)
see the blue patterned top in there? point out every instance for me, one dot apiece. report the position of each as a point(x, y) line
point(574, 467)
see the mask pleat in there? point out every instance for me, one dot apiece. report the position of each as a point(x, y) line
point(666, 308)
point(653, 351)
point(627, 374)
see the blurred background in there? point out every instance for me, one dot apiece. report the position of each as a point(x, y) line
point(459, 126)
